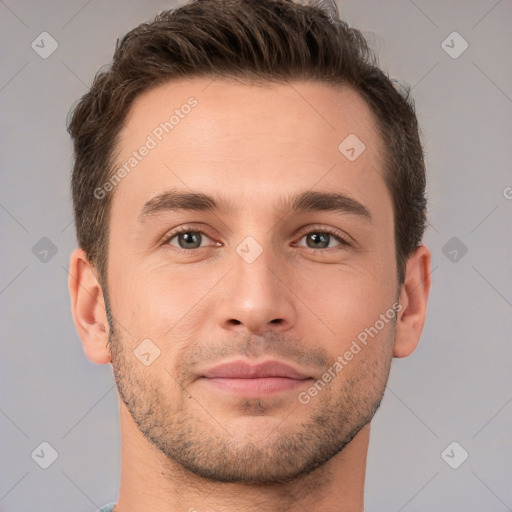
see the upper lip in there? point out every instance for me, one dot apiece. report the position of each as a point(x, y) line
point(244, 370)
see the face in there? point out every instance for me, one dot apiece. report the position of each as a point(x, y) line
point(254, 322)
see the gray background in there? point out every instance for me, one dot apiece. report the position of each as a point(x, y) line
point(455, 387)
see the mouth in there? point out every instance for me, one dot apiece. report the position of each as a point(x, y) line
point(255, 381)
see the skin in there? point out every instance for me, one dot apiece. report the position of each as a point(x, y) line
point(185, 444)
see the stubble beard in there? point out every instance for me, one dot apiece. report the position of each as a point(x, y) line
point(194, 441)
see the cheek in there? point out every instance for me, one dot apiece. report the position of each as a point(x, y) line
point(136, 300)
point(344, 303)
point(160, 305)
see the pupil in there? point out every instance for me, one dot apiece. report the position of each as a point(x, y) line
point(322, 238)
point(188, 238)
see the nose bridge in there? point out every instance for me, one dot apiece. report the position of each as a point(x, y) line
point(254, 266)
point(255, 295)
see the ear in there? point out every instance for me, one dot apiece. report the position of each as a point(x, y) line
point(88, 307)
point(413, 301)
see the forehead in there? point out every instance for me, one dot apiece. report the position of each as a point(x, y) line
point(204, 135)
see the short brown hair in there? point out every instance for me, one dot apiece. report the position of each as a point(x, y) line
point(253, 41)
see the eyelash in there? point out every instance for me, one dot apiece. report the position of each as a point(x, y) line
point(343, 239)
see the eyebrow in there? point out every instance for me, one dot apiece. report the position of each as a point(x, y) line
point(174, 200)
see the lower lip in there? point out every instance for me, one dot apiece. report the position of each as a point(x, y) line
point(255, 388)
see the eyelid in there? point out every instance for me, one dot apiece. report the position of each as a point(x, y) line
point(343, 238)
point(185, 228)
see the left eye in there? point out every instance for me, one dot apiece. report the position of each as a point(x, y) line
point(321, 239)
point(188, 239)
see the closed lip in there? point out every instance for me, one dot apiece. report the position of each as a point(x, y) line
point(244, 370)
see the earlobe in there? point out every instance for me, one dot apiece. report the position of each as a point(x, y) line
point(413, 299)
point(88, 308)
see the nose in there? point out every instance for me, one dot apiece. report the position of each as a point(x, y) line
point(256, 296)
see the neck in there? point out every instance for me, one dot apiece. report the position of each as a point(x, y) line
point(150, 481)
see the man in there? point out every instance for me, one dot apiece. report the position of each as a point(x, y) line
point(249, 196)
